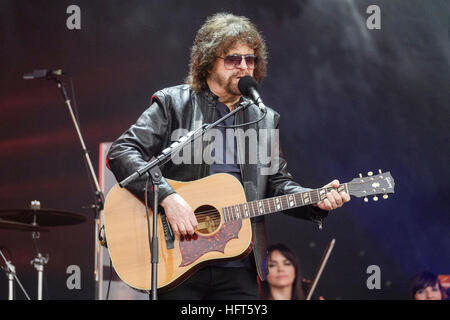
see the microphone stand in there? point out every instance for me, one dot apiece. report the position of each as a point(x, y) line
point(11, 274)
point(155, 176)
point(153, 168)
point(99, 197)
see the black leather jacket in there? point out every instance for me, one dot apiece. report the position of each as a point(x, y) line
point(180, 107)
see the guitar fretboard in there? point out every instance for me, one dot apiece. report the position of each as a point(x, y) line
point(276, 204)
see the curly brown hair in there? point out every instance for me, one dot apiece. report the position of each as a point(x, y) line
point(216, 36)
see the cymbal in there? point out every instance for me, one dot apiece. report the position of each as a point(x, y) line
point(43, 217)
point(11, 225)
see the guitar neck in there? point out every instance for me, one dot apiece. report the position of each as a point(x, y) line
point(277, 204)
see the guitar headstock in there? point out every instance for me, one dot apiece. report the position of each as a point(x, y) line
point(382, 183)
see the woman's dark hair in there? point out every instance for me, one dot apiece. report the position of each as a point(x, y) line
point(298, 292)
point(423, 280)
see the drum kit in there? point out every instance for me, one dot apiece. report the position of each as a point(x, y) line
point(34, 220)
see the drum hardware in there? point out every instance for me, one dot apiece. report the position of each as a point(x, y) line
point(33, 220)
point(10, 271)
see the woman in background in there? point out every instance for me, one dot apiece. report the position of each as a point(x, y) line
point(284, 280)
point(426, 286)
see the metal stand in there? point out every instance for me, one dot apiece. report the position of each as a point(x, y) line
point(38, 264)
point(39, 261)
point(11, 274)
point(99, 197)
point(155, 176)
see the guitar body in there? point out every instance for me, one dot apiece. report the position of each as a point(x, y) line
point(128, 240)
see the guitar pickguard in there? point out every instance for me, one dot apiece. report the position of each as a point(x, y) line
point(194, 249)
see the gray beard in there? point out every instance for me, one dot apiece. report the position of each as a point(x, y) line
point(228, 85)
point(232, 89)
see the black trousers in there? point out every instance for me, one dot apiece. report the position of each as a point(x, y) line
point(216, 283)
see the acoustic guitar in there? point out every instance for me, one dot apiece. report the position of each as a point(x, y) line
point(223, 233)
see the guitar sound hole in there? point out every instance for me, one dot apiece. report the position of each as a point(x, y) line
point(208, 219)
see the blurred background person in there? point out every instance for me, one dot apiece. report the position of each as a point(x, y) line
point(284, 279)
point(426, 286)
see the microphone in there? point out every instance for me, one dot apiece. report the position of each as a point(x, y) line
point(248, 87)
point(38, 74)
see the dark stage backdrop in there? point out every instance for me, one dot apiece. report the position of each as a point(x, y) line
point(351, 99)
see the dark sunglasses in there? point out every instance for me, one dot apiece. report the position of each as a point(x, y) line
point(233, 61)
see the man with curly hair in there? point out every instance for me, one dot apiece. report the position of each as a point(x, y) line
point(226, 48)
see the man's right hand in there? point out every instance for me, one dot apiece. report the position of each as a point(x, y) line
point(179, 214)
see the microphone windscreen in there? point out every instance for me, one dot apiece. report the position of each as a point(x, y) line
point(245, 83)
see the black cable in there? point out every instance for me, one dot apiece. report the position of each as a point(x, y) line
point(110, 278)
point(148, 215)
point(75, 106)
point(77, 119)
point(147, 212)
point(91, 180)
point(244, 124)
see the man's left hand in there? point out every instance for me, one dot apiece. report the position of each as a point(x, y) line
point(334, 199)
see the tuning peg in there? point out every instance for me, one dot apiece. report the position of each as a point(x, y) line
point(385, 196)
point(375, 198)
point(360, 175)
point(365, 199)
point(370, 173)
point(379, 171)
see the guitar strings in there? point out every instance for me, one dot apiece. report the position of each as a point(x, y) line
point(215, 215)
point(327, 188)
